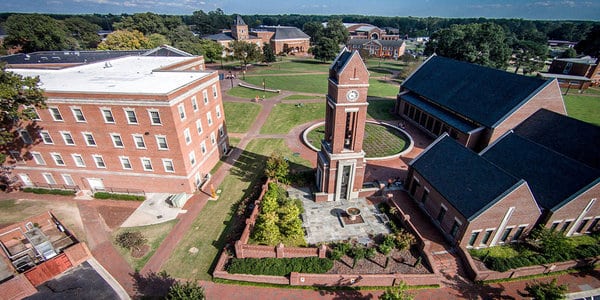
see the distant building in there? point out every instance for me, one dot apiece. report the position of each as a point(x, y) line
point(368, 31)
point(374, 41)
point(577, 73)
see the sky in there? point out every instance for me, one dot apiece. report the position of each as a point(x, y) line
point(523, 9)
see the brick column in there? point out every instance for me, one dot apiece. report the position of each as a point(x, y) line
point(280, 251)
point(239, 249)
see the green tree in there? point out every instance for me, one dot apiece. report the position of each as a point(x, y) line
point(289, 223)
point(396, 293)
point(36, 33)
point(245, 52)
point(591, 44)
point(569, 53)
point(314, 30)
point(146, 23)
point(269, 203)
point(125, 40)
point(336, 31)
point(551, 243)
point(84, 32)
point(211, 50)
point(546, 290)
point(156, 40)
point(266, 230)
point(268, 53)
point(189, 290)
point(326, 49)
point(277, 167)
point(131, 240)
point(210, 23)
point(484, 44)
point(529, 56)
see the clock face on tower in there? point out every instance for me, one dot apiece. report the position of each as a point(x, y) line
point(352, 95)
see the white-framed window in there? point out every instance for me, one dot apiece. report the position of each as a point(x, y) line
point(68, 179)
point(99, 161)
point(221, 130)
point(214, 90)
point(203, 147)
point(117, 140)
point(168, 165)
point(199, 126)
point(187, 136)
point(205, 97)
point(197, 180)
point(78, 159)
point(108, 116)
point(68, 138)
point(194, 103)
point(209, 118)
point(138, 139)
point(218, 111)
point(181, 110)
point(25, 137)
point(154, 117)
point(89, 139)
point(125, 162)
point(192, 157)
point(161, 141)
point(37, 157)
point(78, 114)
point(16, 155)
point(49, 178)
point(213, 138)
point(131, 116)
point(45, 135)
point(58, 160)
point(146, 164)
point(56, 116)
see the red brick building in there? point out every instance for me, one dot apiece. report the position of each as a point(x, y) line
point(473, 104)
point(146, 123)
point(374, 41)
point(577, 73)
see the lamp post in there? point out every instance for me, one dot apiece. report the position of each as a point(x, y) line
point(231, 78)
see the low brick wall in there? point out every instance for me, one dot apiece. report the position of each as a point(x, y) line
point(220, 272)
point(77, 253)
point(362, 279)
point(280, 251)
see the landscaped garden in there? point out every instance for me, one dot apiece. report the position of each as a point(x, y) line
point(138, 244)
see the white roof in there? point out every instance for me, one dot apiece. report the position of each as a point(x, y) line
point(126, 75)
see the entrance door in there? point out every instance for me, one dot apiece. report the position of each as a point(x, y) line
point(26, 180)
point(96, 184)
point(345, 182)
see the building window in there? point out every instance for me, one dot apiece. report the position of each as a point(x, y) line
point(99, 161)
point(168, 164)
point(518, 233)
point(414, 187)
point(117, 141)
point(46, 137)
point(441, 214)
point(78, 159)
point(194, 103)
point(56, 116)
point(209, 118)
point(147, 164)
point(68, 179)
point(68, 138)
point(108, 116)
point(473, 238)
point(554, 225)
point(582, 225)
point(58, 159)
point(192, 157)
point(565, 226)
point(139, 141)
point(486, 236)
point(505, 234)
point(125, 163)
point(49, 178)
point(205, 96)
point(213, 138)
point(34, 112)
point(594, 224)
point(16, 155)
point(455, 228)
point(37, 157)
point(78, 114)
point(425, 196)
point(203, 147)
point(25, 137)
point(187, 136)
point(155, 117)
point(89, 139)
point(199, 126)
point(181, 111)
point(214, 90)
point(161, 141)
point(221, 131)
point(131, 117)
point(218, 111)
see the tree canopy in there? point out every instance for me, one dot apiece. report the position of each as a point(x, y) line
point(325, 49)
point(84, 32)
point(36, 33)
point(245, 52)
point(591, 44)
point(125, 40)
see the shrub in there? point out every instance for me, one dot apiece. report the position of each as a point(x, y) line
point(131, 240)
point(44, 191)
point(335, 254)
point(385, 249)
point(127, 197)
point(279, 266)
point(403, 239)
point(550, 290)
point(185, 291)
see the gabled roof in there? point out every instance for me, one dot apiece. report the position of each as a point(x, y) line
point(458, 174)
point(570, 137)
point(166, 50)
point(587, 60)
point(484, 95)
point(384, 43)
point(340, 61)
point(222, 36)
point(285, 32)
point(553, 178)
point(238, 21)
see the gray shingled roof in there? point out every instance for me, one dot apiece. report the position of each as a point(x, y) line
point(223, 36)
point(482, 94)
point(284, 32)
point(384, 43)
point(66, 57)
point(553, 178)
point(570, 137)
point(238, 20)
point(341, 60)
point(468, 182)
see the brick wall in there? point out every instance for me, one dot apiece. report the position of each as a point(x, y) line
point(574, 211)
point(17, 288)
point(303, 279)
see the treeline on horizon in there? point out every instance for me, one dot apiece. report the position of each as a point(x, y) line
point(212, 22)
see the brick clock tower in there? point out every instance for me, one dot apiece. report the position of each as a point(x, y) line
point(341, 160)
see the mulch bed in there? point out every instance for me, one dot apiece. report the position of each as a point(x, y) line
point(140, 253)
point(114, 216)
point(400, 262)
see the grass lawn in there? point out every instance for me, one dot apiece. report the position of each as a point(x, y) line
point(303, 97)
point(240, 116)
point(291, 65)
point(242, 92)
point(308, 83)
point(585, 108)
point(382, 89)
point(583, 240)
point(155, 234)
point(212, 227)
point(233, 141)
point(379, 109)
point(496, 251)
point(286, 116)
point(592, 91)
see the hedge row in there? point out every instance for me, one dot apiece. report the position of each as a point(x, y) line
point(105, 195)
point(49, 191)
point(279, 266)
point(502, 264)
